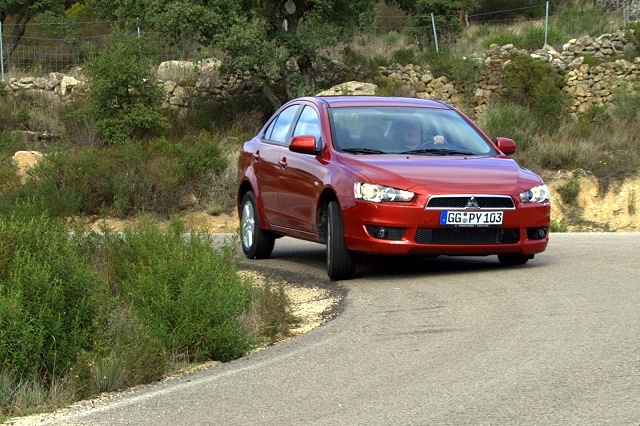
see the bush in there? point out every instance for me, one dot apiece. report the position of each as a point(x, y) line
point(120, 180)
point(48, 297)
point(124, 95)
point(536, 85)
point(511, 121)
point(87, 312)
point(188, 292)
point(404, 56)
point(569, 191)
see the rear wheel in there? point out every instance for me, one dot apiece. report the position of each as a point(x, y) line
point(341, 263)
point(514, 259)
point(256, 243)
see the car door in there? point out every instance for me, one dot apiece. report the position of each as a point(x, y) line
point(299, 181)
point(267, 161)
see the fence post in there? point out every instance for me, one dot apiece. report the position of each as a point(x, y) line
point(139, 45)
point(435, 35)
point(1, 52)
point(546, 24)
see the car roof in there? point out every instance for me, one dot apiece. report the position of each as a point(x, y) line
point(351, 101)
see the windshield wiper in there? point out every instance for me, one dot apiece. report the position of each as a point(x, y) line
point(438, 151)
point(363, 151)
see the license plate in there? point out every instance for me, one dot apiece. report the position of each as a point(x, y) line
point(471, 218)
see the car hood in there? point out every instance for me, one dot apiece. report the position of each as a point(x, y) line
point(437, 174)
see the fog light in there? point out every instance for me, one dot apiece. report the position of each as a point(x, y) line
point(382, 233)
point(542, 232)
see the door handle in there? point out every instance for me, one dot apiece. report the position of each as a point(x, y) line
point(256, 155)
point(283, 162)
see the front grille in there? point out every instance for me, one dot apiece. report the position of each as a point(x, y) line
point(467, 236)
point(461, 201)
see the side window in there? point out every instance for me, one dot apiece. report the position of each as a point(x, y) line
point(308, 124)
point(279, 128)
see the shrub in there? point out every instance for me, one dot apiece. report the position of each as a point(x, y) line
point(404, 56)
point(120, 180)
point(124, 96)
point(512, 121)
point(627, 105)
point(48, 297)
point(536, 85)
point(569, 191)
point(186, 290)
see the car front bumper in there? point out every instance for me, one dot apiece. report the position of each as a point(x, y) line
point(399, 228)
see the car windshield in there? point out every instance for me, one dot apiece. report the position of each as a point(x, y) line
point(405, 130)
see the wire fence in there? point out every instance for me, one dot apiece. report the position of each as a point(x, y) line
point(46, 48)
point(49, 48)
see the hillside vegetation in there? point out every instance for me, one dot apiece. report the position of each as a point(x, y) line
point(88, 312)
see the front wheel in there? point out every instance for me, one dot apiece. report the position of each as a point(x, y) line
point(256, 243)
point(341, 263)
point(514, 259)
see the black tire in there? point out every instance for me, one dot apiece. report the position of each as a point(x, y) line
point(341, 263)
point(256, 243)
point(514, 259)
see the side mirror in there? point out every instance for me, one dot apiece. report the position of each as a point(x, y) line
point(506, 145)
point(304, 145)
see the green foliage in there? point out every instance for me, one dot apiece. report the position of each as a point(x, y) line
point(534, 38)
point(121, 180)
point(187, 291)
point(633, 32)
point(273, 310)
point(124, 95)
point(627, 105)
point(22, 115)
point(562, 226)
point(392, 38)
point(404, 56)
point(569, 191)
point(367, 67)
point(9, 142)
point(48, 297)
point(459, 69)
point(535, 85)
point(601, 141)
point(501, 39)
point(575, 22)
point(251, 33)
point(511, 121)
point(85, 312)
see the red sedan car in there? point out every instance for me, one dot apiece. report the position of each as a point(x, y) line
point(390, 176)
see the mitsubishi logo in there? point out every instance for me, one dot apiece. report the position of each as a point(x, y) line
point(473, 202)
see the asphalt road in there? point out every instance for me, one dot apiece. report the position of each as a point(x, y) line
point(446, 341)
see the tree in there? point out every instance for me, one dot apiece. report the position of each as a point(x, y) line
point(20, 12)
point(451, 14)
point(262, 38)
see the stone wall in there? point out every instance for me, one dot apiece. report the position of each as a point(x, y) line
point(587, 85)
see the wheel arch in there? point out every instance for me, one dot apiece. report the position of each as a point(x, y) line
point(243, 188)
point(325, 198)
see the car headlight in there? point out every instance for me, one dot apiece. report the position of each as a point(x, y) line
point(538, 194)
point(379, 193)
